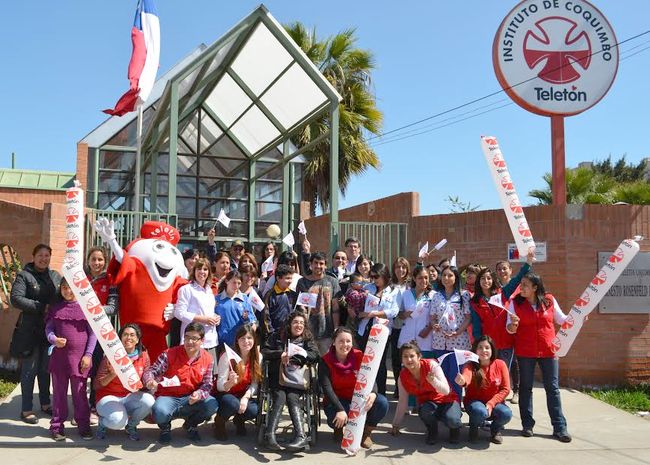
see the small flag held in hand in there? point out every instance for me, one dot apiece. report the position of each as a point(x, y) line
point(372, 303)
point(295, 349)
point(424, 250)
point(231, 354)
point(256, 301)
point(302, 229)
point(452, 262)
point(440, 244)
point(464, 356)
point(307, 299)
point(223, 219)
point(267, 266)
point(289, 240)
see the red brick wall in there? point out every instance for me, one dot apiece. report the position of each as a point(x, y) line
point(20, 227)
point(30, 197)
point(611, 348)
point(82, 164)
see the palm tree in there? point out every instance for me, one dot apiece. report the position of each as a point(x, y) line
point(585, 185)
point(348, 69)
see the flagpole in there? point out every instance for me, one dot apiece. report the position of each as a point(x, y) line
point(138, 163)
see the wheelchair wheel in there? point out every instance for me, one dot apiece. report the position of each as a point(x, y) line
point(263, 406)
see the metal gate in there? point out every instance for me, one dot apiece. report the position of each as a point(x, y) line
point(383, 242)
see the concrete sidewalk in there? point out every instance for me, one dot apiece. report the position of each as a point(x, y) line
point(601, 435)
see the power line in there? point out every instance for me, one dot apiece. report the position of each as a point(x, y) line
point(441, 126)
point(471, 102)
point(451, 118)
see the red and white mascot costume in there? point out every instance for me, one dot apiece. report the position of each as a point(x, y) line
point(148, 274)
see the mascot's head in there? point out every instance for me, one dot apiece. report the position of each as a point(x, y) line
point(156, 249)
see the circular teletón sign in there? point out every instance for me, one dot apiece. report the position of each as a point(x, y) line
point(555, 57)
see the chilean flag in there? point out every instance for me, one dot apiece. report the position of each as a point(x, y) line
point(143, 66)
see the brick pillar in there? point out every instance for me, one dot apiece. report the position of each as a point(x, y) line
point(82, 164)
point(53, 232)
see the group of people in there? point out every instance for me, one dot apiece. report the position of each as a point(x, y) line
point(239, 319)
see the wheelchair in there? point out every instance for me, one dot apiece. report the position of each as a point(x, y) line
point(309, 404)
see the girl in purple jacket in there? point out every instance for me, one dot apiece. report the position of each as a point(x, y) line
point(73, 342)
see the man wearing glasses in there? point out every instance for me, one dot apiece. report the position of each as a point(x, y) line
point(181, 381)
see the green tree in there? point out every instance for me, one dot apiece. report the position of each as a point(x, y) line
point(602, 183)
point(620, 171)
point(456, 205)
point(349, 70)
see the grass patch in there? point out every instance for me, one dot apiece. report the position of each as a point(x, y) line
point(6, 387)
point(630, 398)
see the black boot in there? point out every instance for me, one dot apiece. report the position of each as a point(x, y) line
point(299, 441)
point(432, 433)
point(454, 435)
point(272, 425)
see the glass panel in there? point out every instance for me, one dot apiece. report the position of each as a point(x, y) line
point(162, 184)
point(268, 191)
point(123, 161)
point(236, 229)
point(183, 148)
point(254, 130)
point(274, 174)
point(210, 131)
point(187, 82)
point(223, 188)
point(214, 167)
point(189, 131)
point(162, 204)
point(261, 59)
point(186, 207)
point(115, 182)
point(275, 153)
point(163, 163)
point(186, 226)
point(207, 78)
point(187, 165)
point(185, 185)
point(112, 201)
point(293, 97)
point(225, 148)
point(297, 185)
point(127, 136)
point(228, 100)
point(209, 208)
point(266, 211)
point(260, 230)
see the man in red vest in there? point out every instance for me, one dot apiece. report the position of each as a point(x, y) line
point(181, 380)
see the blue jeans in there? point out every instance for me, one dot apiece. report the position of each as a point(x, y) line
point(506, 355)
point(378, 411)
point(166, 408)
point(229, 406)
point(430, 413)
point(550, 378)
point(477, 411)
point(32, 367)
point(115, 412)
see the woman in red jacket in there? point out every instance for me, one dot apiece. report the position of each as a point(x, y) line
point(424, 379)
point(337, 374)
point(531, 319)
point(487, 383)
point(117, 407)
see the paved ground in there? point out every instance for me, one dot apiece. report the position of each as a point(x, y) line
point(601, 435)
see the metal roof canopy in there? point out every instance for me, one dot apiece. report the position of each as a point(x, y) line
point(260, 89)
point(34, 179)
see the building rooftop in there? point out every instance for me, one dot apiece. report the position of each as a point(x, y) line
point(34, 179)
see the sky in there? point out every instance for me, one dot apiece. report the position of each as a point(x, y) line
point(65, 61)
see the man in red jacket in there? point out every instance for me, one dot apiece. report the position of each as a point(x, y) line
point(181, 380)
